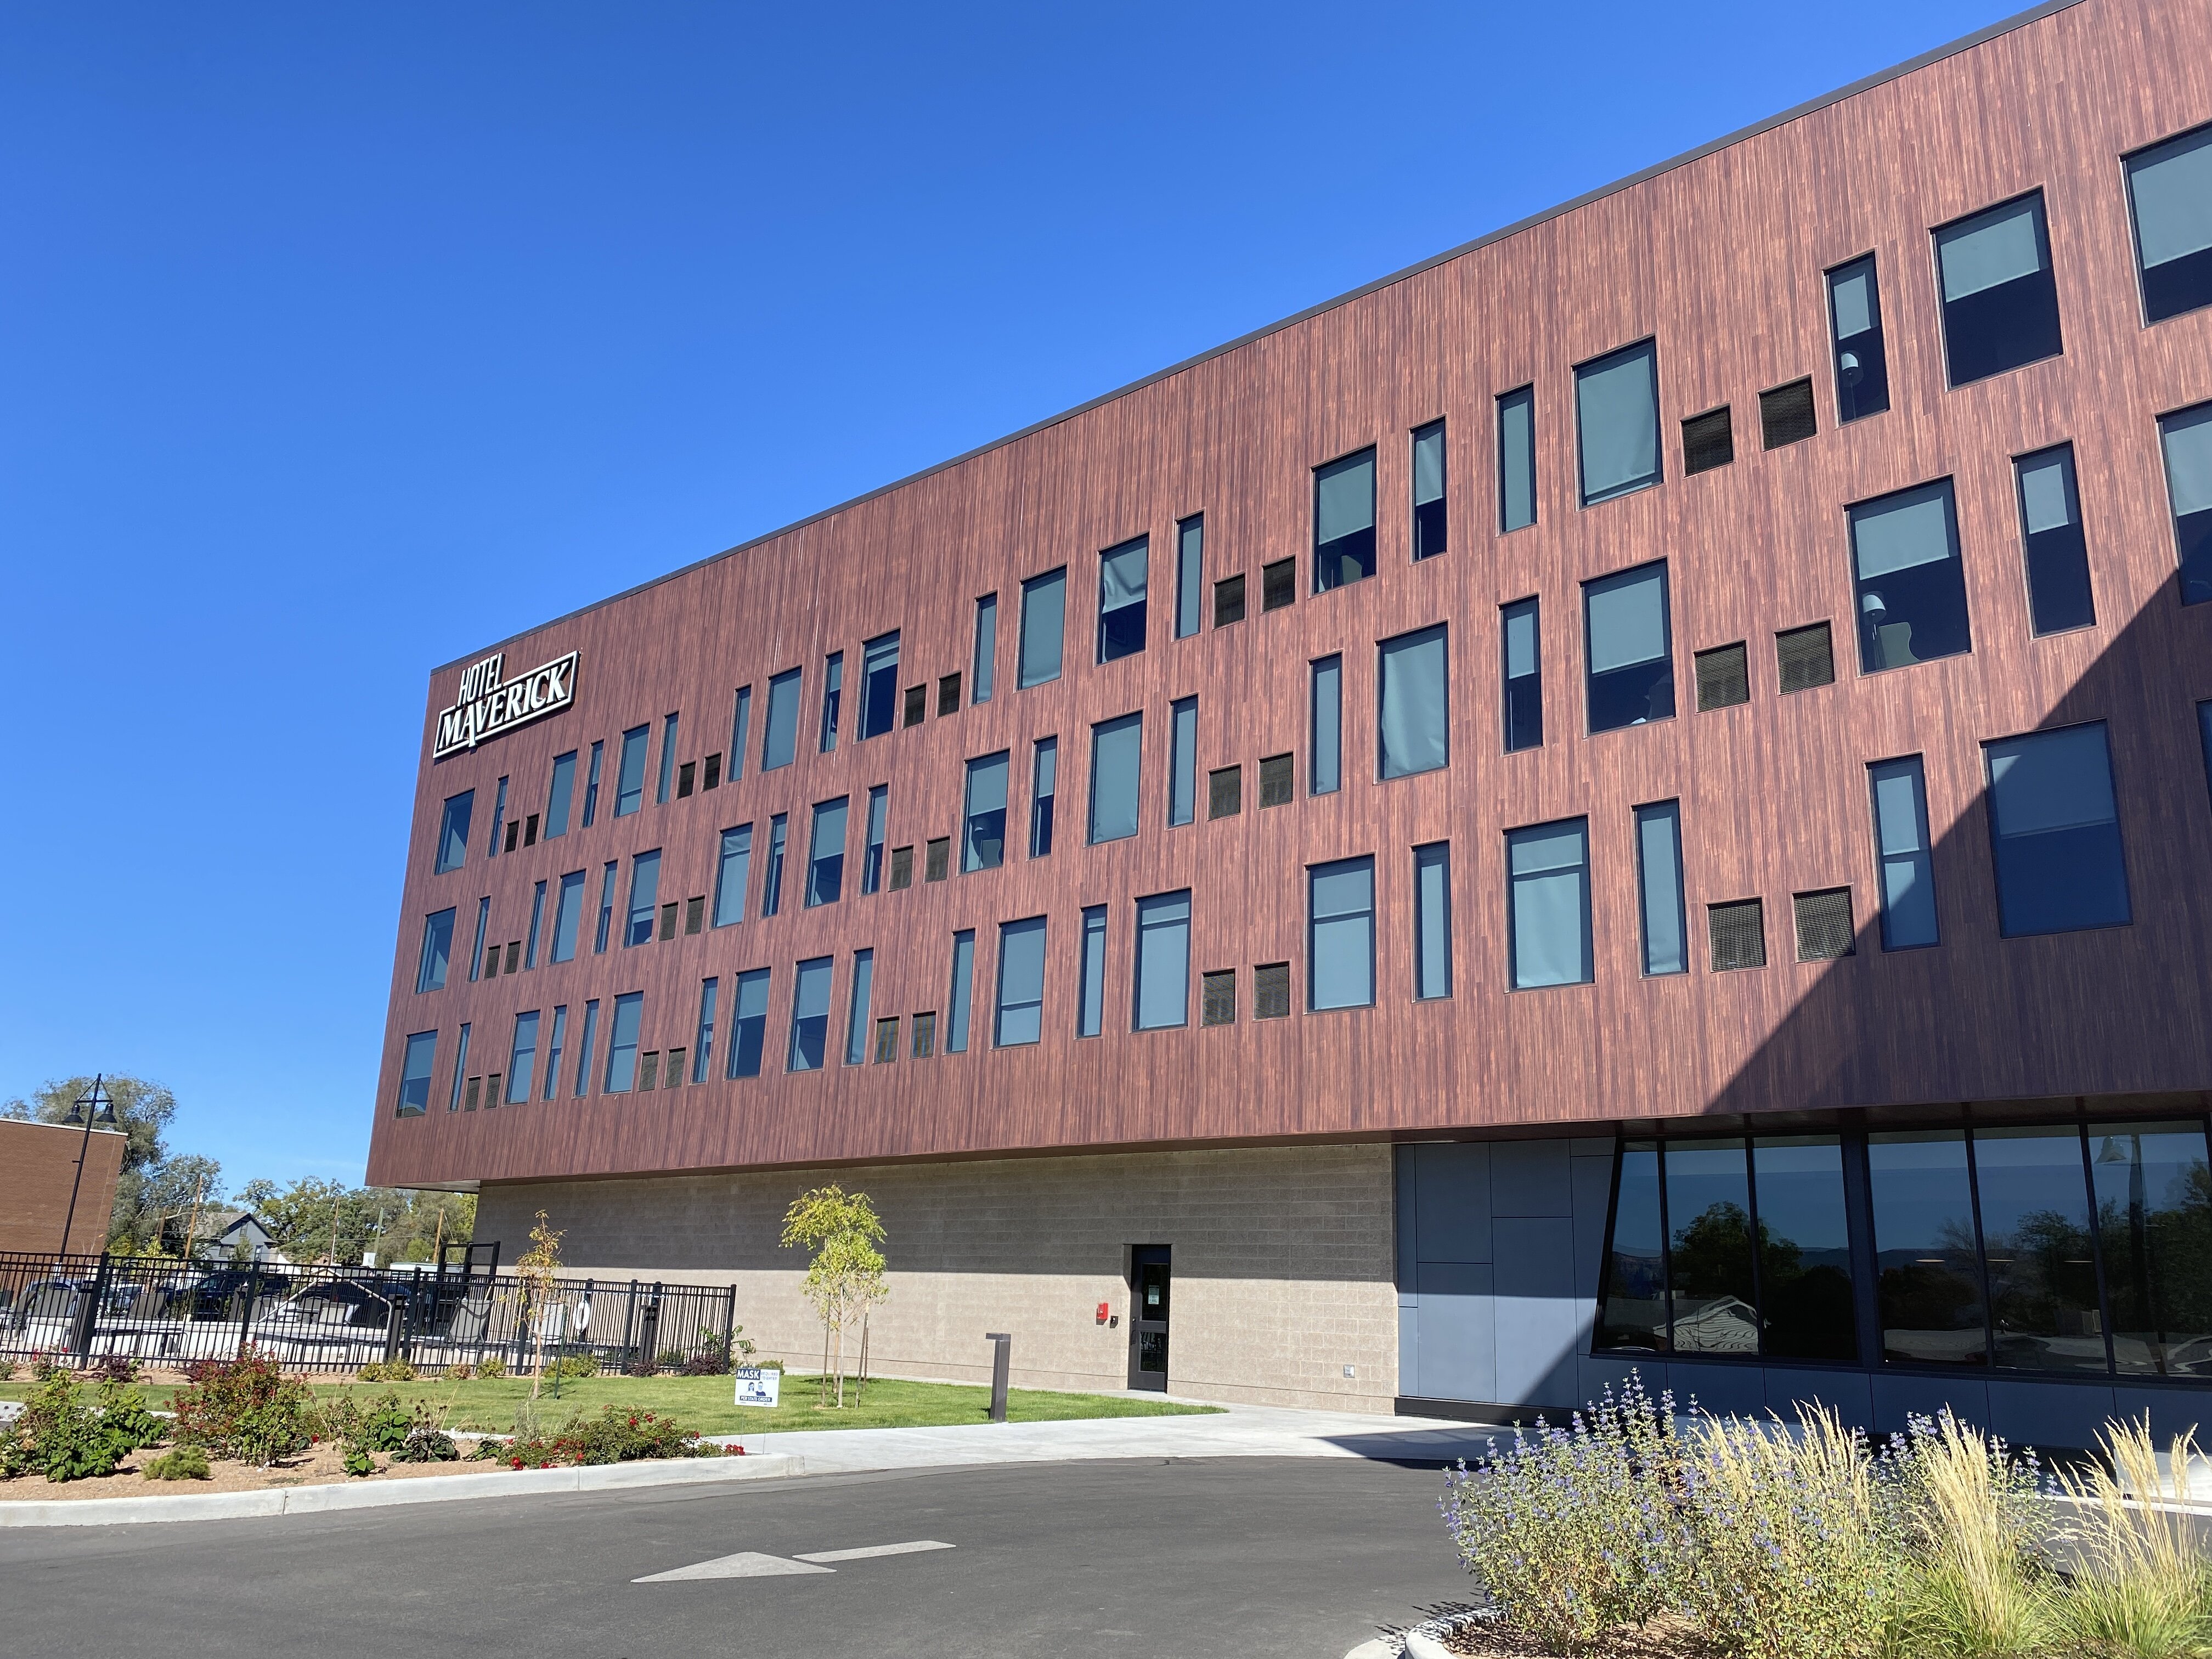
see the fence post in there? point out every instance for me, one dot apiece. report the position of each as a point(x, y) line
point(630, 1325)
point(87, 1312)
point(730, 1328)
point(648, 1336)
point(246, 1308)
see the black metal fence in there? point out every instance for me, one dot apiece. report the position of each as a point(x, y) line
point(80, 1309)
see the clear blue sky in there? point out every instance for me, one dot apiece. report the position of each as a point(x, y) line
point(337, 342)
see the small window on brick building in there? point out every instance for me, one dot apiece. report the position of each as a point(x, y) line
point(1271, 990)
point(1785, 414)
point(695, 913)
point(1224, 792)
point(668, 920)
point(687, 779)
point(712, 765)
point(948, 695)
point(1278, 584)
point(1217, 997)
point(1738, 934)
point(1228, 601)
point(887, 1041)
point(1723, 677)
point(1805, 657)
point(1276, 780)
point(917, 705)
point(901, 868)
point(1707, 441)
point(939, 859)
point(924, 1036)
point(1824, 924)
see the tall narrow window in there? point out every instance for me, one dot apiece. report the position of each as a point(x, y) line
point(2000, 302)
point(1617, 422)
point(584, 1047)
point(498, 820)
point(1659, 888)
point(748, 1024)
point(1900, 834)
point(667, 761)
point(1340, 934)
point(567, 916)
point(1190, 574)
point(1429, 521)
point(1413, 703)
point(879, 673)
point(1925, 1243)
point(437, 952)
point(1116, 750)
point(1122, 587)
point(1044, 617)
point(857, 1015)
point(1631, 646)
point(484, 920)
point(2170, 188)
point(872, 860)
point(963, 984)
point(983, 837)
point(522, 1058)
point(421, 1054)
point(559, 793)
point(730, 869)
point(537, 921)
point(809, 1014)
point(1344, 521)
point(622, 1044)
point(1432, 936)
point(1044, 781)
point(1912, 585)
point(1021, 982)
point(1325, 746)
point(1163, 977)
point(779, 832)
point(2187, 437)
point(1862, 361)
point(1090, 994)
point(1517, 459)
point(460, 1070)
point(825, 854)
point(630, 774)
point(606, 907)
point(702, 1036)
point(1548, 915)
point(453, 831)
point(644, 898)
point(2056, 830)
point(1523, 644)
point(833, 697)
point(1182, 760)
point(1632, 1310)
point(983, 669)
point(553, 1052)
point(591, 784)
point(2058, 594)
point(780, 740)
point(741, 720)
point(2148, 1180)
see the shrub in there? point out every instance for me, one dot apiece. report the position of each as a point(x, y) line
point(623, 1434)
point(425, 1443)
point(574, 1365)
point(115, 1368)
point(247, 1409)
point(705, 1364)
point(492, 1366)
point(7, 1371)
point(672, 1359)
point(66, 1436)
point(185, 1463)
point(358, 1461)
point(392, 1371)
point(460, 1373)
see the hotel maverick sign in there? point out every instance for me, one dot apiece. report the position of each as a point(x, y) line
point(488, 705)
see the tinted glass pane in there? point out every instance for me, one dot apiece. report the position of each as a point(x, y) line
point(1630, 656)
point(629, 777)
point(1548, 875)
point(1432, 951)
point(1524, 682)
point(983, 671)
point(1617, 422)
point(1632, 1311)
point(2155, 1225)
point(964, 985)
point(749, 1025)
point(415, 1073)
point(1090, 1010)
point(2000, 305)
point(557, 797)
point(453, 831)
point(568, 915)
point(1709, 1213)
point(1340, 937)
point(729, 872)
point(622, 1044)
point(1908, 878)
point(983, 842)
point(1044, 607)
point(1912, 588)
point(825, 861)
point(1413, 703)
point(1659, 876)
point(1804, 1249)
point(2170, 187)
point(1182, 761)
point(1930, 1287)
point(437, 952)
point(1516, 458)
point(1344, 521)
point(1162, 987)
point(872, 860)
point(778, 829)
point(1122, 590)
point(644, 898)
point(1326, 767)
point(780, 742)
point(2042, 1264)
point(1861, 359)
point(702, 1036)
point(809, 1014)
point(856, 1018)
point(2188, 442)
point(1116, 747)
point(2057, 832)
point(1044, 783)
point(522, 1059)
point(879, 668)
point(2058, 594)
point(1021, 981)
point(1430, 528)
point(1190, 575)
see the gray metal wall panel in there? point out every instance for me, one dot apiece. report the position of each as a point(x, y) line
point(1458, 1351)
point(1452, 1202)
point(1529, 1178)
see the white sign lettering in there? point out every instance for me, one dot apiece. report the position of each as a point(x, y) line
point(759, 1388)
point(487, 705)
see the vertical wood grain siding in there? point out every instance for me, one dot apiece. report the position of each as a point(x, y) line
point(1721, 261)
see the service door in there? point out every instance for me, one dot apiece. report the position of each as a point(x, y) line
point(1148, 1317)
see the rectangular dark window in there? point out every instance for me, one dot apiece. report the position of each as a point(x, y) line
point(1429, 525)
point(1517, 459)
point(2057, 831)
point(963, 984)
point(1912, 588)
point(1190, 574)
point(1901, 846)
point(622, 1044)
point(1659, 888)
point(667, 761)
point(809, 1014)
point(825, 854)
point(421, 1054)
point(591, 784)
point(437, 952)
point(1785, 414)
point(1344, 521)
point(2187, 439)
point(1737, 930)
point(938, 859)
point(1548, 919)
point(983, 837)
point(741, 720)
point(832, 698)
point(857, 1013)
point(630, 774)
point(780, 738)
point(599, 937)
point(567, 916)
point(779, 835)
point(1162, 988)
point(1217, 997)
point(748, 1024)
point(880, 668)
point(1021, 983)
point(1862, 361)
point(1629, 637)
point(1432, 938)
point(1824, 924)
point(2170, 191)
point(948, 695)
point(1277, 780)
point(537, 922)
point(1413, 703)
point(1228, 601)
point(1090, 993)
point(1182, 760)
point(872, 859)
point(1044, 626)
point(1044, 782)
point(584, 1047)
point(1224, 792)
point(1278, 585)
point(644, 898)
point(1116, 755)
point(1340, 934)
point(1123, 572)
point(553, 1052)
point(1723, 677)
point(1271, 990)
point(2000, 301)
point(1707, 441)
point(1325, 729)
point(702, 1038)
point(1617, 422)
point(1805, 657)
point(730, 869)
point(453, 831)
point(2058, 595)
point(1522, 648)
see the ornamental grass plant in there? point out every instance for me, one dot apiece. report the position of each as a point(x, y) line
point(2139, 1589)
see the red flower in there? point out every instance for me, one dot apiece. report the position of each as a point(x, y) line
point(633, 1422)
point(518, 1462)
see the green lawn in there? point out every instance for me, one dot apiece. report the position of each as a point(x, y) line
point(705, 1403)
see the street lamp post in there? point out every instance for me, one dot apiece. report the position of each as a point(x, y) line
point(93, 1110)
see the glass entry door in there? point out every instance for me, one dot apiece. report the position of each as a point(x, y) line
point(1148, 1317)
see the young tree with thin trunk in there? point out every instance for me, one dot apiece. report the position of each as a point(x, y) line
point(845, 1277)
point(537, 1268)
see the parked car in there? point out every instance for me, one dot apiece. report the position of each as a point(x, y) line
point(58, 1298)
point(215, 1295)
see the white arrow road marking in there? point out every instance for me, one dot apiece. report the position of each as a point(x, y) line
point(875, 1549)
point(745, 1564)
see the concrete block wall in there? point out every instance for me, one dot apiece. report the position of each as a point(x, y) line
point(1281, 1266)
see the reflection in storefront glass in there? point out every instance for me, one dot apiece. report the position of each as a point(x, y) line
point(1928, 1286)
point(1709, 1209)
point(2154, 1223)
point(1632, 1315)
point(2035, 1240)
point(1804, 1249)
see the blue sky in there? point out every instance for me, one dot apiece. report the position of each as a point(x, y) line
point(336, 342)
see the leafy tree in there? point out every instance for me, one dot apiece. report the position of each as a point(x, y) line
point(400, 1226)
point(845, 1277)
point(538, 1268)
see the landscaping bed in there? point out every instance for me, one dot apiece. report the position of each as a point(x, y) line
point(320, 1464)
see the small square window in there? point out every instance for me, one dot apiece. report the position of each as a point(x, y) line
point(1224, 792)
point(924, 1036)
point(1738, 934)
point(1276, 782)
point(1824, 924)
point(1228, 601)
point(1785, 414)
point(1805, 657)
point(887, 1041)
point(1278, 584)
point(917, 704)
point(939, 859)
point(901, 868)
point(948, 695)
point(1723, 677)
point(695, 913)
point(1708, 440)
point(712, 765)
point(687, 779)
point(668, 920)
point(1217, 997)
point(1271, 990)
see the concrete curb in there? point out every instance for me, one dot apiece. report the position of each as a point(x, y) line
point(428, 1488)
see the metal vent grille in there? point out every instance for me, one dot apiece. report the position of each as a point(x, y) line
point(1278, 584)
point(1277, 783)
point(924, 1036)
point(1218, 1000)
point(713, 777)
point(491, 1092)
point(1739, 931)
point(1805, 657)
point(1824, 924)
point(917, 703)
point(475, 1092)
point(687, 775)
point(948, 695)
point(668, 920)
point(1708, 440)
point(1224, 792)
point(491, 962)
point(887, 1041)
point(1271, 990)
point(695, 913)
point(648, 1072)
point(939, 859)
point(1228, 601)
point(671, 1075)
point(513, 954)
point(1785, 414)
point(513, 830)
point(530, 824)
point(1723, 677)
point(901, 868)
